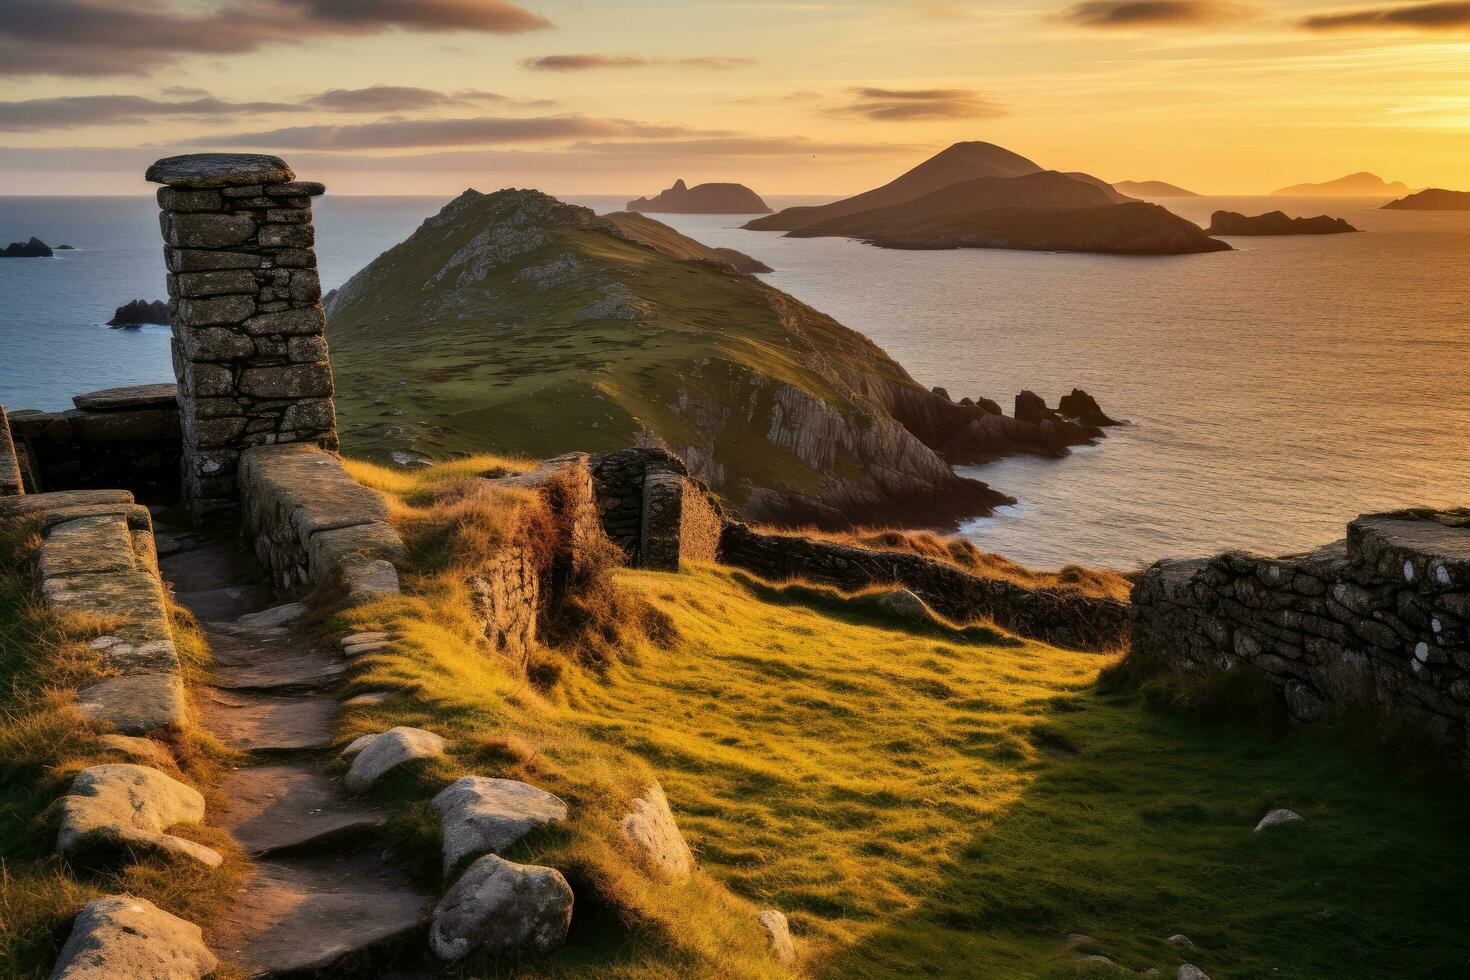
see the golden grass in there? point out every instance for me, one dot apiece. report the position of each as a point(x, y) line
point(1091, 582)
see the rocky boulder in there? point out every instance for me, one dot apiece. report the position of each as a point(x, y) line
point(903, 604)
point(650, 827)
point(140, 311)
point(377, 754)
point(503, 908)
point(124, 807)
point(122, 936)
point(1083, 408)
point(1278, 817)
point(778, 936)
point(33, 249)
point(487, 816)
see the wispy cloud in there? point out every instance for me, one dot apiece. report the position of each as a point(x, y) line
point(73, 111)
point(1444, 16)
point(593, 62)
point(130, 37)
point(1106, 14)
point(402, 98)
point(389, 134)
point(915, 105)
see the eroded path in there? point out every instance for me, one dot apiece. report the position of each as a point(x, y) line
point(322, 890)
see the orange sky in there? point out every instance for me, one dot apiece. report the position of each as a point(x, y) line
point(826, 96)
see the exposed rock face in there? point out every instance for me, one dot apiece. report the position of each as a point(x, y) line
point(789, 416)
point(1082, 407)
point(703, 199)
point(503, 908)
point(140, 311)
point(1044, 211)
point(1275, 223)
point(651, 828)
point(119, 806)
point(33, 249)
point(656, 234)
point(1432, 199)
point(778, 934)
point(486, 816)
point(122, 936)
point(377, 754)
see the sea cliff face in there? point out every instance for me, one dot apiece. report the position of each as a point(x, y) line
point(515, 323)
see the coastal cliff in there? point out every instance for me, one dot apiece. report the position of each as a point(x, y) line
point(513, 322)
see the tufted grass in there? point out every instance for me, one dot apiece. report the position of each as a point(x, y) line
point(44, 742)
point(919, 799)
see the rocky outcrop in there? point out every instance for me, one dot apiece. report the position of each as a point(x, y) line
point(139, 312)
point(1432, 199)
point(1275, 223)
point(1084, 409)
point(503, 909)
point(119, 808)
point(703, 199)
point(649, 826)
point(373, 756)
point(122, 936)
point(33, 249)
point(778, 936)
point(1382, 620)
point(487, 816)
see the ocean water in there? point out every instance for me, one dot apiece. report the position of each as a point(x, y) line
point(1274, 392)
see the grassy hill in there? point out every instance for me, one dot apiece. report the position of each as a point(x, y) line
point(513, 323)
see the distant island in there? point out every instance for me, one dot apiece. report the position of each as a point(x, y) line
point(139, 312)
point(1151, 188)
point(656, 234)
point(1360, 184)
point(1044, 211)
point(1275, 223)
point(1432, 199)
point(33, 249)
point(703, 199)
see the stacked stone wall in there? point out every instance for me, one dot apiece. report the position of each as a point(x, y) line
point(654, 510)
point(249, 343)
point(1064, 618)
point(1379, 619)
point(313, 527)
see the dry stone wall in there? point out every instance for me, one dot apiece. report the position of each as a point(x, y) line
point(1380, 619)
point(313, 526)
point(654, 510)
point(249, 343)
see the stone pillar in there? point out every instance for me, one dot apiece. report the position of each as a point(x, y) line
point(249, 344)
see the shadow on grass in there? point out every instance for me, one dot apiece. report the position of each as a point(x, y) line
point(1143, 829)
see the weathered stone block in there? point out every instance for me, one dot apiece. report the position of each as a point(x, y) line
point(244, 190)
point(309, 320)
point(216, 344)
point(209, 380)
point(305, 286)
point(296, 188)
point(306, 348)
point(195, 260)
point(287, 236)
point(295, 258)
point(215, 310)
point(179, 199)
point(286, 216)
point(309, 414)
point(219, 283)
point(287, 381)
point(184, 230)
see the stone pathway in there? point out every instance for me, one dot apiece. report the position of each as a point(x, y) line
point(322, 891)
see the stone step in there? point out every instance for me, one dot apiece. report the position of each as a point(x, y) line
point(279, 664)
point(276, 808)
point(268, 723)
point(297, 916)
point(230, 602)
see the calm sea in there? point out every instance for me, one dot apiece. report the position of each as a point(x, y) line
point(1275, 391)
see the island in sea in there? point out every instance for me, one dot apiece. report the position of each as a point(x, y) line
point(1361, 184)
point(1151, 188)
point(139, 312)
point(702, 199)
point(979, 195)
point(33, 249)
point(1275, 223)
point(516, 323)
point(1432, 199)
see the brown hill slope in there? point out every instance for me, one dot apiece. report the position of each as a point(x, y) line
point(1432, 199)
point(656, 234)
point(1044, 211)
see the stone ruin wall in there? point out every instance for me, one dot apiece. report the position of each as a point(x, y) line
point(653, 510)
point(249, 344)
point(1377, 620)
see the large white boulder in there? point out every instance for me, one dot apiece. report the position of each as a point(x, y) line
point(121, 936)
point(504, 908)
point(480, 815)
point(121, 805)
point(778, 936)
point(377, 754)
point(651, 828)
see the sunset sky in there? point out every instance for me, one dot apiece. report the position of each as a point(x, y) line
point(826, 96)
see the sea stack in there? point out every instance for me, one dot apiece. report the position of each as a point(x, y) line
point(33, 249)
point(139, 312)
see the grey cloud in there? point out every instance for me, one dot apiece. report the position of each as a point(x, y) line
point(592, 62)
point(396, 98)
point(1104, 14)
point(913, 105)
point(476, 131)
point(68, 112)
point(1414, 17)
